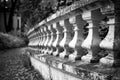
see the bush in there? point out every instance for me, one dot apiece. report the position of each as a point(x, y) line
point(8, 41)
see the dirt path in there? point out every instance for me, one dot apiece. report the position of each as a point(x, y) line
point(14, 66)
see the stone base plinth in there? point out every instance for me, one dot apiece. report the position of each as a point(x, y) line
point(55, 68)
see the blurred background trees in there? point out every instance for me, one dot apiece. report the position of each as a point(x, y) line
point(30, 11)
point(18, 16)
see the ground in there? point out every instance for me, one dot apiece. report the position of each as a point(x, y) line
point(14, 65)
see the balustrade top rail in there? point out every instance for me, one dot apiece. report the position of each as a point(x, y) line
point(68, 9)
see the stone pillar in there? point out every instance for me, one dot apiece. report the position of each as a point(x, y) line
point(39, 34)
point(42, 38)
point(29, 37)
point(53, 37)
point(45, 36)
point(67, 37)
point(32, 39)
point(91, 42)
point(75, 44)
point(47, 40)
point(59, 32)
point(38, 38)
point(35, 39)
point(111, 42)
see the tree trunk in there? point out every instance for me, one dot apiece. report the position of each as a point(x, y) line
point(12, 10)
point(5, 16)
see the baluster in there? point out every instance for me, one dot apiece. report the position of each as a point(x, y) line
point(41, 43)
point(75, 44)
point(91, 43)
point(40, 39)
point(59, 37)
point(111, 41)
point(53, 36)
point(37, 38)
point(39, 33)
point(67, 37)
point(44, 35)
point(30, 41)
point(47, 40)
point(29, 44)
point(36, 41)
point(33, 41)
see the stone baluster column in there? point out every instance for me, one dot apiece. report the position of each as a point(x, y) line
point(36, 39)
point(47, 40)
point(33, 41)
point(29, 44)
point(39, 34)
point(32, 37)
point(59, 37)
point(53, 37)
point(111, 42)
point(91, 43)
point(75, 44)
point(67, 37)
point(42, 39)
point(45, 36)
point(30, 40)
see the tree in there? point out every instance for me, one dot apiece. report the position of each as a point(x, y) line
point(34, 11)
point(8, 7)
point(12, 11)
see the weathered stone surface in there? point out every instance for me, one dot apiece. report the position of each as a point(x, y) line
point(72, 70)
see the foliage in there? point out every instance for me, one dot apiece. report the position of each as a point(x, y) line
point(34, 11)
point(31, 11)
point(8, 41)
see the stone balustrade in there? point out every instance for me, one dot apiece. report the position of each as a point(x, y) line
point(78, 42)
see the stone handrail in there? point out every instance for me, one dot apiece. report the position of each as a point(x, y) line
point(83, 34)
